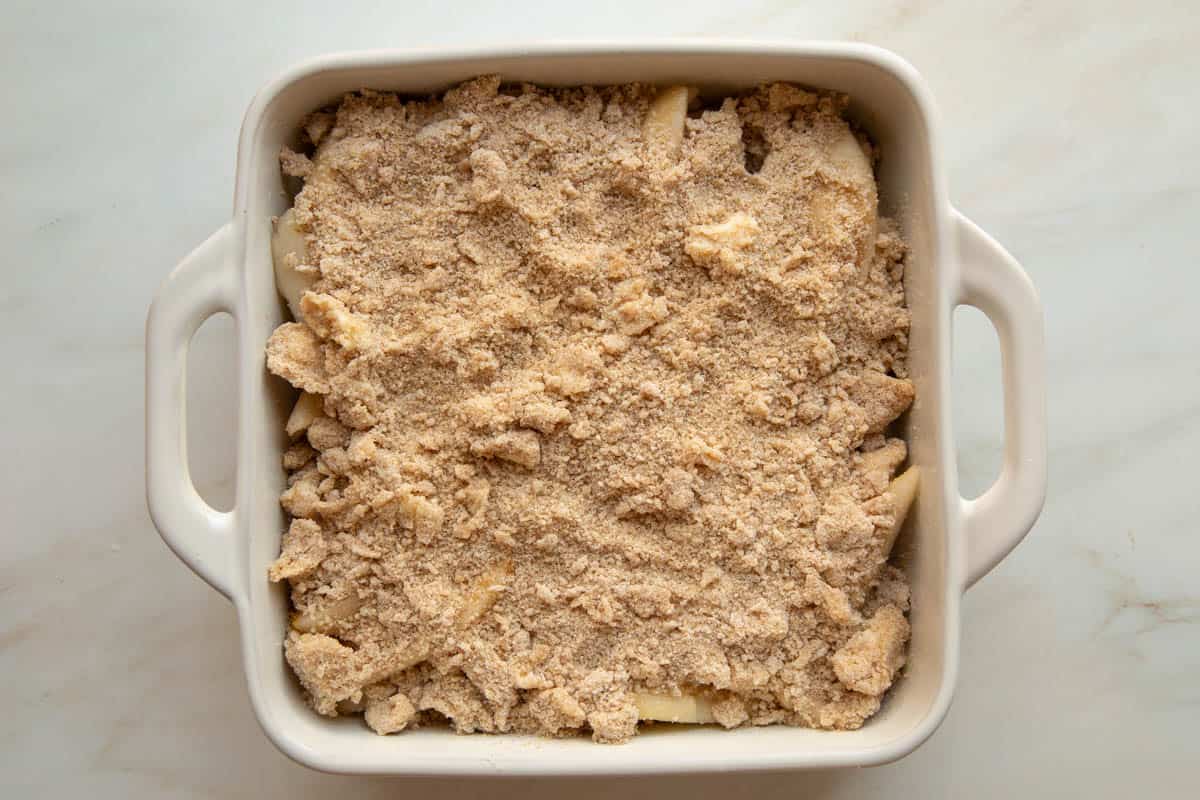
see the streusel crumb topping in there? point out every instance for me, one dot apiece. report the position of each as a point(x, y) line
point(596, 417)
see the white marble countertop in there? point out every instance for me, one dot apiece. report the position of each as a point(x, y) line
point(1070, 134)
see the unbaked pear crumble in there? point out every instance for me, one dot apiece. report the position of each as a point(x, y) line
point(596, 392)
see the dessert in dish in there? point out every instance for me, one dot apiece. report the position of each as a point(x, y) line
point(596, 393)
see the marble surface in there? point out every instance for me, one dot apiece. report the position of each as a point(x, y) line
point(1069, 132)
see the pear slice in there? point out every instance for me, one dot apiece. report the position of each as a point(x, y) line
point(847, 152)
point(308, 407)
point(319, 620)
point(846, 198)
point(668, 708)
point(903, 490)
point(663, 125)
point(289, 250)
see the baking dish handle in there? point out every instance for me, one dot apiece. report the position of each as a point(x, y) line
point(992, 281)
point(201, 286)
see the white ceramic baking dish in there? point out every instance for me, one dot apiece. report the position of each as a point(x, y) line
point(950, 542)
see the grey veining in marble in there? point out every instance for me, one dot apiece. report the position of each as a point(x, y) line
point(1070, 134)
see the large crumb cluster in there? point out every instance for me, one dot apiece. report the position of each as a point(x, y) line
point(596, 418)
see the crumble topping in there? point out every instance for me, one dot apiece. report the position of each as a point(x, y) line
point(594, 414)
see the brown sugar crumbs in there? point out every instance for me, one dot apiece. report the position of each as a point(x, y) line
point(597, 385)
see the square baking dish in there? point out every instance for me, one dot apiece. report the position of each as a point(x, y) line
point(949, 542)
